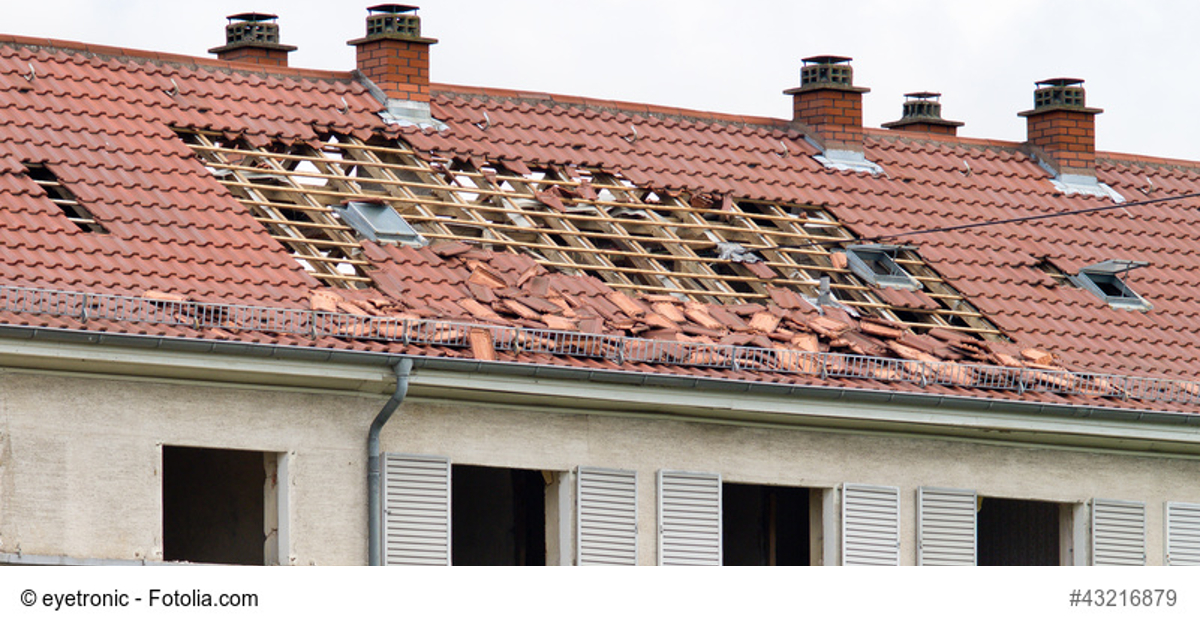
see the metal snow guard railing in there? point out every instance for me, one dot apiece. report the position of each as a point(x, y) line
point(315, 324)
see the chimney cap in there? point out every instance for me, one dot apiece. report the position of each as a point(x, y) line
point(253, 17)
point(252, 31)
point(827, 59)
point(824, 72)
point(922, 109)
point(393, 21)
point(923, 95)
point(393, 8)
point(1059, 82)
point(1058, 94)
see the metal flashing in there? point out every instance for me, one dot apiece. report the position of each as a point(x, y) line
point(848, 160)
point(1083, 184)
point(411, 113)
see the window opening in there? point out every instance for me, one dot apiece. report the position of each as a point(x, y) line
point(378, 221)
point(877, 265)
point(1013, 532)
point(63, 198)
point(498, 516)
point(766, 525)
point(1104, 280)
point(214, 503)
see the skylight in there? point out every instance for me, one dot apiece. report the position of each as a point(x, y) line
point(63, 198)
point(378, 221)
point(1104, 280)
point(876, 264)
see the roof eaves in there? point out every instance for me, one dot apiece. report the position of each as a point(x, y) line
point(340, 366)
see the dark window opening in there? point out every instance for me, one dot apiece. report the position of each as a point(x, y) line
point(765, 525)
point(877, 265)
point(498, 516)
point(213, 505)
point(63, 198)
point(1018, 533)
point(1104, 280)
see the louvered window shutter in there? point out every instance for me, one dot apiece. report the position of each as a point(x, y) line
point(416, 510)
point(870, 525)
point(605, 517)
point(689, 519)
point(946, 527)
point(1118, 533)
point(1183, 534)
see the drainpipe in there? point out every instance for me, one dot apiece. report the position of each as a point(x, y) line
point(374, 504)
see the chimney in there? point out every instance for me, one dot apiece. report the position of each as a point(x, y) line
point(1061, 129)
point(393, 55)
point(829, 105)
point(253, 38)
point(922, 113)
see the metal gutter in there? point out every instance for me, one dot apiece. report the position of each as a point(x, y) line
point(402, 369)
point(616, 349)
point(370, 360)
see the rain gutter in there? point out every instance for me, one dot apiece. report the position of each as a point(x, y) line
point(314, 355)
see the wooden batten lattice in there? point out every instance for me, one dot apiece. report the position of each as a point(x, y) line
point(577, 220)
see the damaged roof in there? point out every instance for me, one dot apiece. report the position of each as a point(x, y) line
point(611, 235)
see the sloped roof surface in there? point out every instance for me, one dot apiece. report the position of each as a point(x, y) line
point(105, 122)
point(927, 181)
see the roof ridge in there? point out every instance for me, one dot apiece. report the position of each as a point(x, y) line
point(134, 54)
point(1123, 157)
point(621, 106)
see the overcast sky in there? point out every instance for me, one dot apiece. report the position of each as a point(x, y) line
point(1140, 59)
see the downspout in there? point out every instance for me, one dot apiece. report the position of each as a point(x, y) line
point(374, 503)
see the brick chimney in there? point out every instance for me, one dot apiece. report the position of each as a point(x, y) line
point(829, 105)
point(1062, 129)
point(922, 113)
point(253, 38)
point(393, 55)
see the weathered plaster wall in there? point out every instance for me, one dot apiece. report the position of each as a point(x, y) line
point(80, 460)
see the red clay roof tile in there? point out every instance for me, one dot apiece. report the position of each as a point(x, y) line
point(104, 123)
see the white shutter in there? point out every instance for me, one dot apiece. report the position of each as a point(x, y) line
point(946, 527)
point(689, 519)
point(1183, 534)
point(605, 517)
point(416, 510)
point(870, 525)
point(1118, 533)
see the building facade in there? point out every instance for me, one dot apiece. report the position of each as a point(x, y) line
point(257, 314)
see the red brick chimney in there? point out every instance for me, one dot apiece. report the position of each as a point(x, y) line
point(1061, 129)
point(828, 104)
point(393, 55)
point(922, 113)
point(253, 38)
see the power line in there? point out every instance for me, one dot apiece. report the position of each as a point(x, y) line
point(977, 225)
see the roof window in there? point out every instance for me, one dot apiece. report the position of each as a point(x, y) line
point(1104, 280)
point(63, 198)
point(378, 221)
point(876, 264)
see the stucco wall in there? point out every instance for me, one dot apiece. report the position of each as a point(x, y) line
point(80, 460)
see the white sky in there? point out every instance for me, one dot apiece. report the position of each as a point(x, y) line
point(1140, 58)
